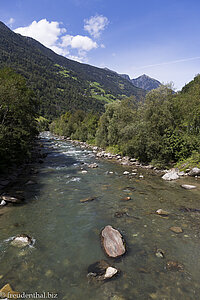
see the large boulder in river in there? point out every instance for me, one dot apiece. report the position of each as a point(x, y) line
point(172, 175)
point(113, 242)
point(194, 172)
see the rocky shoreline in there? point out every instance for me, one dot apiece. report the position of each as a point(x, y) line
point(171, 174)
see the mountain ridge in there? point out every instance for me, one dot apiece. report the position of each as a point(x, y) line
point(61, 84)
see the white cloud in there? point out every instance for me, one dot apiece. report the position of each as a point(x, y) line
point(53, 36)
point(43, 31)
point(95, 25)
point(10, 22)
point(79, 42)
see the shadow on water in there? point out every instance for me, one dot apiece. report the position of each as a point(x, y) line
point(67, 231)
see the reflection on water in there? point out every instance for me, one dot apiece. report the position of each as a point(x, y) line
point(67, 231)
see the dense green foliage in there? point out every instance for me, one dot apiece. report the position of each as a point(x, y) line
point(61, 84)
point(79, 125)
point(162, 130)
point(17, 118)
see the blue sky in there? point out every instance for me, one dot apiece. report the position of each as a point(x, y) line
point(158, 38)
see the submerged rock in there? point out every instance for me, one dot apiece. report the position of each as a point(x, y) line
point(21, 241)
point(84, 171)
point(30, 182)
point(126, 172)
point(176, 229)
point(174, 266)
point(126, 199)
point(112, 242)
point(120, 214)
point(194, 172)
point(88, 199)
point(92, 166)
point(101, 270)
point(160, 253)
point(162, 212)
point(188, 186)
point(172, 175)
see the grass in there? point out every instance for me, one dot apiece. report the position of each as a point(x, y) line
point(190, 162)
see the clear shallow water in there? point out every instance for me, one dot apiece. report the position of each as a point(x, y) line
point(67, 231)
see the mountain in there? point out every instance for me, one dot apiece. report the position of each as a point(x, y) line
point(61, 84)
point(145, 82)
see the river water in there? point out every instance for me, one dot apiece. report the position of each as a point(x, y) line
point(67, 232)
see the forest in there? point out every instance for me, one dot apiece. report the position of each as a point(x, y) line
point(18, 125)
point(164, 130)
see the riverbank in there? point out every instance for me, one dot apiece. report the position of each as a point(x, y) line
point(100, 153)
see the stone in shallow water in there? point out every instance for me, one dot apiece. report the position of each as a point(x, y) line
point(176, 229)
point(162, 212)
point(174, 266)
point(21, 241)
point(172, 175)
point(11, 199)
point(126, 199)
point(112, 242)
point(160, 253)
point(92, 166)
point(188, 186)
point(126, 172)
point(101, 270)
point(110, 272)
point(87, 199)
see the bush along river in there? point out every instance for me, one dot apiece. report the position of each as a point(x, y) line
point(154, 230)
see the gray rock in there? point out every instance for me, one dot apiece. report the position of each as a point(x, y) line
point(3, 203)
point(21, 241)
point(194, 172)
point(172, 175)
point(101, 270)
point(92, 166)
point(188, 186)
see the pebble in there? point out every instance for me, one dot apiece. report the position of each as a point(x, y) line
point(162, 212)
point(126, 173)
point(176, 229)
point(188, 186)
point(160, 253)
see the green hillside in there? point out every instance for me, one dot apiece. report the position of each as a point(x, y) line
point(61, 84)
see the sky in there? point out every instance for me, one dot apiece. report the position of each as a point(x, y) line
point(157, 38)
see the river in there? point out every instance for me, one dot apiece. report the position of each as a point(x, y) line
point(67, 232)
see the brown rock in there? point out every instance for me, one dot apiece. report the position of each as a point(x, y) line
point(174, 266)
point(126, 199)
point(112, 242)
point(176, 229)
point(162, 212)
point(87, 199)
